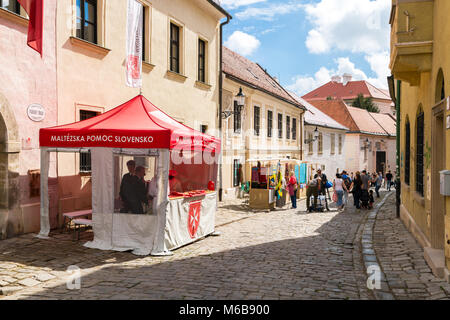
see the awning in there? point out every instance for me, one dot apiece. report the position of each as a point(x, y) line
point(134, 124)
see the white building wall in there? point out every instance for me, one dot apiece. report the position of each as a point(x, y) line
point(332, 162)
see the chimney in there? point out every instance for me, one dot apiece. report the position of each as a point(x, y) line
point(347, 78)
point(336, 79)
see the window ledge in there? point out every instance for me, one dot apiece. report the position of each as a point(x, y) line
point(175, 76)
point(147, 66)
point(85, 173)
point(89, 46)
point(14, 17)
point(203, 85)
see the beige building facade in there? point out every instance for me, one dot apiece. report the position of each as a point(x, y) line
point(270, 125)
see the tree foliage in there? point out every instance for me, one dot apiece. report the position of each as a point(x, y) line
point(365, 103)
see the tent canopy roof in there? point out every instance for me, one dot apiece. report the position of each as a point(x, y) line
point(134, 124)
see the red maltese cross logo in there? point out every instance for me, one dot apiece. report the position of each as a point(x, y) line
point(194, 217)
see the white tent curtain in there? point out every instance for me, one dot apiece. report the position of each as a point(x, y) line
point(45, 219)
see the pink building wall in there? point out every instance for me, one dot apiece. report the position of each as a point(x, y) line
point(25, 78)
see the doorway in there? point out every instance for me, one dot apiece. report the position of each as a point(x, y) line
point(437, 165)
point(381, 161)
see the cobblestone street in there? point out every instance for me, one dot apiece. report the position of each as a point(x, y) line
point(284, 254)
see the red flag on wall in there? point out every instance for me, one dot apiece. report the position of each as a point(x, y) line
point(35, 10)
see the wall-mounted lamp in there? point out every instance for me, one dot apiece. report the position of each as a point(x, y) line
point(240, 101)
point(315, 137)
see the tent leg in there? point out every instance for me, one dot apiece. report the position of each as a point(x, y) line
point(45, 220)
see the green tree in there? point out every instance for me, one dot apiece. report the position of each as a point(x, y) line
point(365, 103)
point(329, 98)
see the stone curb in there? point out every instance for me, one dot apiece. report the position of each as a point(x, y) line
point(369, 255)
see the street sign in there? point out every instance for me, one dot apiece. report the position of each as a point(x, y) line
point(36, 112)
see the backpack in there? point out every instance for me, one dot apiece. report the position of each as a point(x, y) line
point(348, 183)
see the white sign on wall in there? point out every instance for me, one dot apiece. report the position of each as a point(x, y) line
point(36, 112)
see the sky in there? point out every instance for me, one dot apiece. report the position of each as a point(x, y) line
point(305, 42)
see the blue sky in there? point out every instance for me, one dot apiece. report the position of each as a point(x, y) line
point(305, 42)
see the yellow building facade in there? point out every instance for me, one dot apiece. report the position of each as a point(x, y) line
point(269, 127)
point(420, 60)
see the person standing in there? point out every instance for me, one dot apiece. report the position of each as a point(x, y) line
point(389, 180)
point(323, 185)
point(127, 187)
point(348, 184)
point(356, 189)
point(292, 187)
point(378, 183)
point(312, 190)
point(339, 187)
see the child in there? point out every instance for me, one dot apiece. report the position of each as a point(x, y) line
point(371, 199)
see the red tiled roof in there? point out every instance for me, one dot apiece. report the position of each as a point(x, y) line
point(236, 66)
point(336, 109)
point(349, 91)
point(356, 119)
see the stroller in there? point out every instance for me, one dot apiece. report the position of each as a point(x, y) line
point(364, 199)
point(320, 207)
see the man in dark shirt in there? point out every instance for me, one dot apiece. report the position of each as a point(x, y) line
point(389, 180)
point(126, 187)
point(140, 192)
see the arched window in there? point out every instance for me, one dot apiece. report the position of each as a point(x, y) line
point(407, 150)
point(440, 87)
point(419, 152)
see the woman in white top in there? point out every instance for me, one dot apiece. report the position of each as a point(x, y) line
point(339, 187)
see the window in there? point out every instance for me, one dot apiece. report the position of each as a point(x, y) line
point(288, 127)
point(203, 128)
point(87, 20)
point(269, 123)
point(256, 120)
point(10, 5)
point(340, 144)
point(237, 118)
point(201, 60)
point(320, 151)
point(310, 144)
point(280, 126)
point(174, 48)
point(407, 151)
point(85, 157)
point(333, 143)
point(419, 153)
point(294, 129)
point(236, 173)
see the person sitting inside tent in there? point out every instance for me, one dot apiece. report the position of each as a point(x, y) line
point(174, 183)
point(126, 187)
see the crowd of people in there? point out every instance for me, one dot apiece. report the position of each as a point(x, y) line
point(362, 185)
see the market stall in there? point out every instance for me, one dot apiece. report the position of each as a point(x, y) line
point(153, 178)
point(267, 188)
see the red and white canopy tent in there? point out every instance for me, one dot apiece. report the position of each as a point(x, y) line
point(138, 128)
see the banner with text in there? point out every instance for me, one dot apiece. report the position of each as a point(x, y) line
point(134, 44)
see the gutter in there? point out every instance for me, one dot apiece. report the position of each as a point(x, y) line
point(220, 98)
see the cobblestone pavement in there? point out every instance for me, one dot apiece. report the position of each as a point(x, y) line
point(401, 258)
point(284, 254)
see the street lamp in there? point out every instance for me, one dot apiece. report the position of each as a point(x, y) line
point(315, 137)
point(240, 101)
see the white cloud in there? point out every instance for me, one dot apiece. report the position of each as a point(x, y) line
point(268, 13)
point(348, 25)
point(303, 84)
point(233, 4)
point(242, 43)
